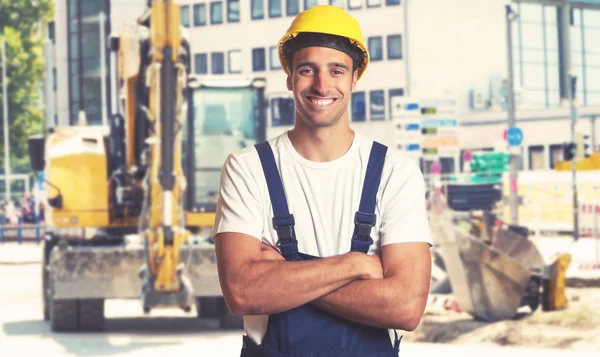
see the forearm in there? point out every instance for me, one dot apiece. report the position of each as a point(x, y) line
point(272, 286)
point(375, 302)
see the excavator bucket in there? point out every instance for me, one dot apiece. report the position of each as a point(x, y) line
point(490, 278)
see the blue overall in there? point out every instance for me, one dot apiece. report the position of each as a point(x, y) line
point(307, 331)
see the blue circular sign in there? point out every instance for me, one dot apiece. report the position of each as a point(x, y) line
point(514, 136)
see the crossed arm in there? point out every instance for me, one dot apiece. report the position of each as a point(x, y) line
point(256, 280)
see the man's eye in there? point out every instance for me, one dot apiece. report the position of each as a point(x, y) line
point(306, 71)
point(337, 72)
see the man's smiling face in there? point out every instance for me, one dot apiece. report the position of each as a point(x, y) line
point(322, 82)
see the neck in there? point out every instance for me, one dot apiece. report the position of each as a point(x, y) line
point(321, 144)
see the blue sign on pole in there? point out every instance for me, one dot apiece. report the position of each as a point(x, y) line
point(514, 136)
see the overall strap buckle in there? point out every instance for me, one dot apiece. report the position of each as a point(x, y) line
point(285, 229)
point(286, 236)
point(363, 224)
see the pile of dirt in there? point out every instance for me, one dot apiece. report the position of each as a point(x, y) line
point(577, 327)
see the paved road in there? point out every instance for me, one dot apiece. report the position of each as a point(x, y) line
point(131, 334)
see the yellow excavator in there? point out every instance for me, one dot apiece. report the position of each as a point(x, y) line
point(130, 204)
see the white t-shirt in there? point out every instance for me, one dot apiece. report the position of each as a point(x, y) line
point(323, 197)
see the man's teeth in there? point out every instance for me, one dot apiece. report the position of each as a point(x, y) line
point(322, 101)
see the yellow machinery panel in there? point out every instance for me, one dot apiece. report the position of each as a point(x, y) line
point(77, 169)
point(555, 283)
point(589, 163)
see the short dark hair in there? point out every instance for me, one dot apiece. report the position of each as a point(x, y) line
point(310, 39)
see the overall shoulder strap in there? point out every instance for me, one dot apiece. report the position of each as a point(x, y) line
point(365, 218)
point(283, 221)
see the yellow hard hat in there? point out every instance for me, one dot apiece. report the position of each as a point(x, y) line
point(326, 19)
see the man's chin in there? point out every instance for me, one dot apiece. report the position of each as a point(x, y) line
point(321, 122)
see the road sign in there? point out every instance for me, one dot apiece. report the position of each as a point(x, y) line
point(514, 136)
point(467, 156)
point(425, 127)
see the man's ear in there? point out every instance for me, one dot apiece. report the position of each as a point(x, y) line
point(288, 82)
point(354, 80)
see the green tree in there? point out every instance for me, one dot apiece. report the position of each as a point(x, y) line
point(22, 25)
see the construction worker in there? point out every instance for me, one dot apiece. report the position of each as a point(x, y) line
point(321, 234)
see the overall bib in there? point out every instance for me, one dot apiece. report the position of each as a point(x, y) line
point(308, 331)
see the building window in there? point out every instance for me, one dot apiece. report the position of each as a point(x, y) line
point(274, 58)
point(377, 104)
point(338, 3)
point(359, 109)
point(394, 46)
point(373, 3)
point(447, 164)
point(536, 158)
point(394, 94)
point(392, 2)
point(233, 10)
point(217, 63)
point(51, 31)
point(354, 4)
point(376, 48)
point(283, 112)
point(235, 61)
point(258, 59)
point(274, 8)
point(556, 154)
point(310, 3)
point(83, 46)
point(536, 55)
point(292, 7)
point(216, 12)
point(199, 14)
point(201, 63)
point(185, 15)
point(258, 9)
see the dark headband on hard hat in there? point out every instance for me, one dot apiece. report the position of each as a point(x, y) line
point(311, 39)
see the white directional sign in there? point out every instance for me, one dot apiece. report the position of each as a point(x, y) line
point(426, 127)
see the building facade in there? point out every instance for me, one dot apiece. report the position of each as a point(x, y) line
point(420, 49)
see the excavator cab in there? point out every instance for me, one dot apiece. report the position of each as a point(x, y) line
point(223, 116)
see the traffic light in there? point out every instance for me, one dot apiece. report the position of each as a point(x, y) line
point(583, 146)
point(587, 145)
point(568, 151)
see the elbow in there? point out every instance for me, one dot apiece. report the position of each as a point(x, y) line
point(236, 299)
point(409, 317)
point(409, 323)
point(236, 302)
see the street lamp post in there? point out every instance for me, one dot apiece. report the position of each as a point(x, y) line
point(513, 199)
point(5, 122)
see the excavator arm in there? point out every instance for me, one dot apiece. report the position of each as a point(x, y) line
point(163, 220)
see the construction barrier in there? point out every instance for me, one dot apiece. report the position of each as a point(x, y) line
point(588, 220)
point(546, 198)
point(21, 232)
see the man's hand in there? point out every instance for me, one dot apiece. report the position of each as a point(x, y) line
point(373, 266)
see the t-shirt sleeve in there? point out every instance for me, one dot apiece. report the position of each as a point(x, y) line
point(239, 207)
point(403, 206)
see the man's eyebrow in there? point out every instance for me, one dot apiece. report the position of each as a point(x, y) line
point(330, 64)
point(337, 64)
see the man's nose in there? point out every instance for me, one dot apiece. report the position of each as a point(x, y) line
point(322, 83)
